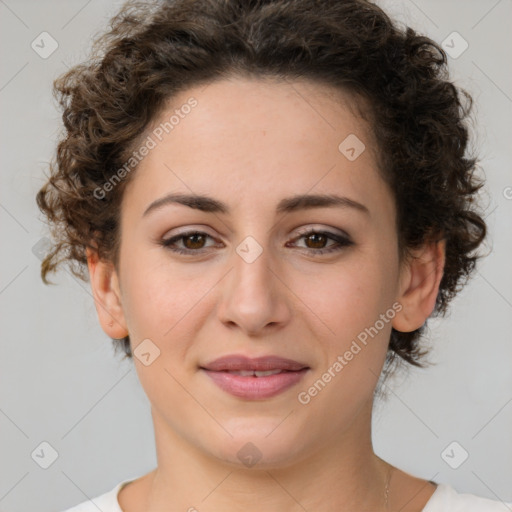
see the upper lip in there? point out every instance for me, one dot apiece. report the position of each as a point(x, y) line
point(266, 363)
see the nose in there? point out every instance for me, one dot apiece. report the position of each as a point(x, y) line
point(255, 297)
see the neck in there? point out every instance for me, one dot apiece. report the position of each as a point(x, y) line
point(341, 473)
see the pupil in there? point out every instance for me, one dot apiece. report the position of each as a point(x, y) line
point(311, 238)
point(194, 237)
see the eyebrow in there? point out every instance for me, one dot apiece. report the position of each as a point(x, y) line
point(287, 205)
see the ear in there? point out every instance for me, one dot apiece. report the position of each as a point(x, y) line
point(107, 295)
point(420, 277)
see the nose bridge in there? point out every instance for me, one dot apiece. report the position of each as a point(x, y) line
point(252, 299)
point(253, 253)
point(252, 276)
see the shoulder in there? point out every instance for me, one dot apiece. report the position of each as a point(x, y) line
point(106, 502)
point(447, 499)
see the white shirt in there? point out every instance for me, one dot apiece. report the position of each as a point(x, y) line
point(444, 499)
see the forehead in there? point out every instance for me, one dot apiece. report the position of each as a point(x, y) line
point(246, 139)
point(296, 111)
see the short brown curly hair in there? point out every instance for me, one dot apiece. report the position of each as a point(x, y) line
point(155, 49)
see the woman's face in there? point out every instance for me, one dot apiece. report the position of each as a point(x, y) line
point(254, 283)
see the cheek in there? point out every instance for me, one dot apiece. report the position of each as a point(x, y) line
point(353, 338)
point(147, 302)
point(163, 301)
point(350, 297)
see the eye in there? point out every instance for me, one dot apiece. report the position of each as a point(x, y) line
point(316, 240)
point(194, 242)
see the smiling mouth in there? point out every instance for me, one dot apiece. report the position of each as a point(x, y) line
point(254, 378)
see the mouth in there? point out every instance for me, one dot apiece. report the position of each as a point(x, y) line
point(254, 378)
point(240, 363)
point(254, 373)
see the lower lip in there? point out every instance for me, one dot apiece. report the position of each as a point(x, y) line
point(254, 388)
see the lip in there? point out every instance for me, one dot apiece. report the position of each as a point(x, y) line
point(238, 362)
point(252, 387)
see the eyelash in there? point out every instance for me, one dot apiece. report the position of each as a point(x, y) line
point(342, 242)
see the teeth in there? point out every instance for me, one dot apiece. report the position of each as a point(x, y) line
point(269, 372)
point(243, 373)
point(248, 373)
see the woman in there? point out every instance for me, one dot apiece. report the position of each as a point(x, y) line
point(269, 199)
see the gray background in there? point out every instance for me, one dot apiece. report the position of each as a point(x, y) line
point(59, 379)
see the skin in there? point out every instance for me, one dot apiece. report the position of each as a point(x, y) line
point(250, 143)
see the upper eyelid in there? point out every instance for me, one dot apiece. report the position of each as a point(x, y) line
point(320, 229)
point(301, 231)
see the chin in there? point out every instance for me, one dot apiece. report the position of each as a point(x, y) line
point(254, 448)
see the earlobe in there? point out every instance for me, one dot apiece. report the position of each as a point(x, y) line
point(419, 286)
point(107, 295)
